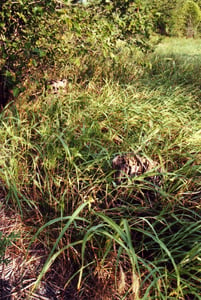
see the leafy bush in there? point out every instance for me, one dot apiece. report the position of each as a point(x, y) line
point(186, 19)
point(23, 24)
point(161, 13)
point(32, 34)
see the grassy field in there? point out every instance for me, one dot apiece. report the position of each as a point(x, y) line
point(79, 235)
point(178, 61)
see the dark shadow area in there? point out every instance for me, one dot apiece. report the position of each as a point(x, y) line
point(5, 290)
point(5, 90)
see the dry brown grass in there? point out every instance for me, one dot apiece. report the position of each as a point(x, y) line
point(18, 276)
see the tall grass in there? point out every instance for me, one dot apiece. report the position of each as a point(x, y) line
point(177, 61)
point(115, 241)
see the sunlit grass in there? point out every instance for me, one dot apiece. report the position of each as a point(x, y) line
point(180, 46)
point(177, 62)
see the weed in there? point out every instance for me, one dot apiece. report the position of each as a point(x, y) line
point(56, 156)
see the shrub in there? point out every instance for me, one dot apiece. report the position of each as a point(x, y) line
point(186, 19)
point(32, 39)
point(22, 25)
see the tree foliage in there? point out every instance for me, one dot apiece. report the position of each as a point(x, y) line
point(22, 24)
point(131, 18)
point(186, 18)
point(192, 16)
point(30, 32)
point(162, 15)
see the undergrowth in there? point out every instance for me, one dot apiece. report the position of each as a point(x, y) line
point(109, 241)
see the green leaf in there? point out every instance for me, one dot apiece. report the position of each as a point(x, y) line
point(16, 91)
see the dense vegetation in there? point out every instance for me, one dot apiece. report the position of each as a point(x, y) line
point(132, 84)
